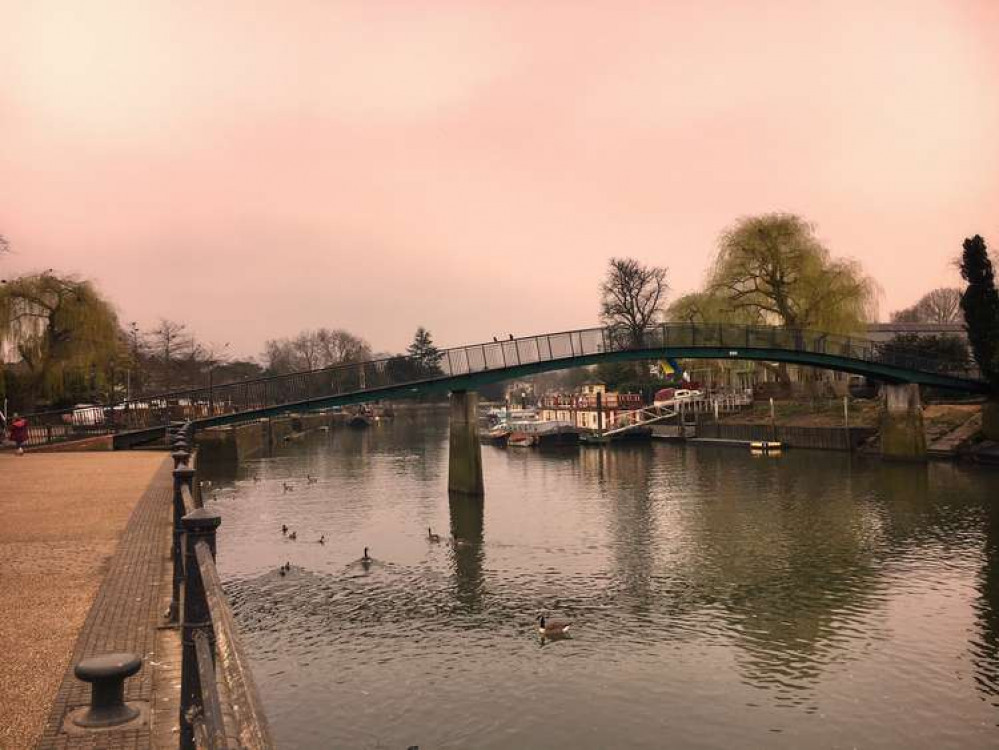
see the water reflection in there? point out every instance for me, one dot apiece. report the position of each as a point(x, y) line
point(985, 645)
point(799, 584)
point(467, 554)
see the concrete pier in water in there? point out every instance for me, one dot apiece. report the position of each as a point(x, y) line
point(465, 458)
point(902, 433)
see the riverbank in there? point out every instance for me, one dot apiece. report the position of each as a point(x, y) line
point(64, 516)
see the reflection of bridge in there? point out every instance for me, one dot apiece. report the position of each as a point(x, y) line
point(465, 368)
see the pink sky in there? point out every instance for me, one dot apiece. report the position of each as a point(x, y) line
point(255, 168)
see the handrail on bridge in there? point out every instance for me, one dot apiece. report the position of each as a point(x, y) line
point(721, 340)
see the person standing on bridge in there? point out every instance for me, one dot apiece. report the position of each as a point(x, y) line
point(19, 432)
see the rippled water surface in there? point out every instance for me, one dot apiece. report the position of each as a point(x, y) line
point(720, 600)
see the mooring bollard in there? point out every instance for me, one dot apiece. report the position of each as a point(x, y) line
point(106, 675)
point(199, 526)
point(180, 458)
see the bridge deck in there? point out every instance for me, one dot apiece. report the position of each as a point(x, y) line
point(469, 367)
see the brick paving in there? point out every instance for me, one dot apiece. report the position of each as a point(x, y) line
point(60, 520)
point(125, 615)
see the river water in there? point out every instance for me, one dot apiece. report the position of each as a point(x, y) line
point(719, 600)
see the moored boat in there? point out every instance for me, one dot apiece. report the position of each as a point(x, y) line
point(359, 420)
point(542, 433)
point(634, 435)
point(496, 435)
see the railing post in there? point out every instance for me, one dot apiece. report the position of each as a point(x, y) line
point(182, 475)
point(199, 526)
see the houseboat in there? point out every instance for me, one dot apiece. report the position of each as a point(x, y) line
point(592, 410)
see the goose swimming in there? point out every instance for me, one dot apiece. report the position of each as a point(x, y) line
point(553, 627)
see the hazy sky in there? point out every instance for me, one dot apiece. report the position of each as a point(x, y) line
point(255, 168)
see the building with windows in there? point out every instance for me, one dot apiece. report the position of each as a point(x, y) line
point(593, 407)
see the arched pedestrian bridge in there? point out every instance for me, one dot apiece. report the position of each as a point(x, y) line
point(465, 368)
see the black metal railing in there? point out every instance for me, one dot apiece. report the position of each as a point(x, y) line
point(260, 393)
point(220, 708)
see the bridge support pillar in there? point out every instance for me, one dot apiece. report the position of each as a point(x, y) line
point(990, 419)
point(902, 435)
point(465, 459)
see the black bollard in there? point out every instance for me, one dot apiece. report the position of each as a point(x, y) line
point(106, 675)
point(180, 458)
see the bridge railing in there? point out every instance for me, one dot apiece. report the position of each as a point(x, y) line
point(339, 380)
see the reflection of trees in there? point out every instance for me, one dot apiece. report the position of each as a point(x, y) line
point(411, 442)
point(466, 554)
point(985, 650)
point(623, 475)
point(789, 555)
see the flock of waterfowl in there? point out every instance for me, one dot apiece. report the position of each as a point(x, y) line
point(547, 627)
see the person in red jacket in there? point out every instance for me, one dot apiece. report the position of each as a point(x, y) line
point(19, 432)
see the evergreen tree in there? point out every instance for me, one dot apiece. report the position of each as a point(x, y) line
point(425, 356)
point(980, 304)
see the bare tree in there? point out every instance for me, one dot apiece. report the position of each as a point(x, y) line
point(312, 350)
point(340, 346)
point(632, 297)
point(170, 342)
point(941, 305)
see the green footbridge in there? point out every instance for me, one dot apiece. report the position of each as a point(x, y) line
point(466, 368)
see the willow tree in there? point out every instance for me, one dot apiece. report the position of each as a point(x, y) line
point(774, 268)
point(706, 307)
point(61, 332)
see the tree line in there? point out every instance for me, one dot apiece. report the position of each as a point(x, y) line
point(61, 341)
point(773, 270)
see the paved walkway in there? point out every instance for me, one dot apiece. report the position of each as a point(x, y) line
point(69, 588)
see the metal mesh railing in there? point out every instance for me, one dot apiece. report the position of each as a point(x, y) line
point(275, 391)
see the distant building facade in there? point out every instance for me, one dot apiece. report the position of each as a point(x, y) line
point(581, 409)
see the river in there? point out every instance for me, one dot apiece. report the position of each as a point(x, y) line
point(719, 599)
